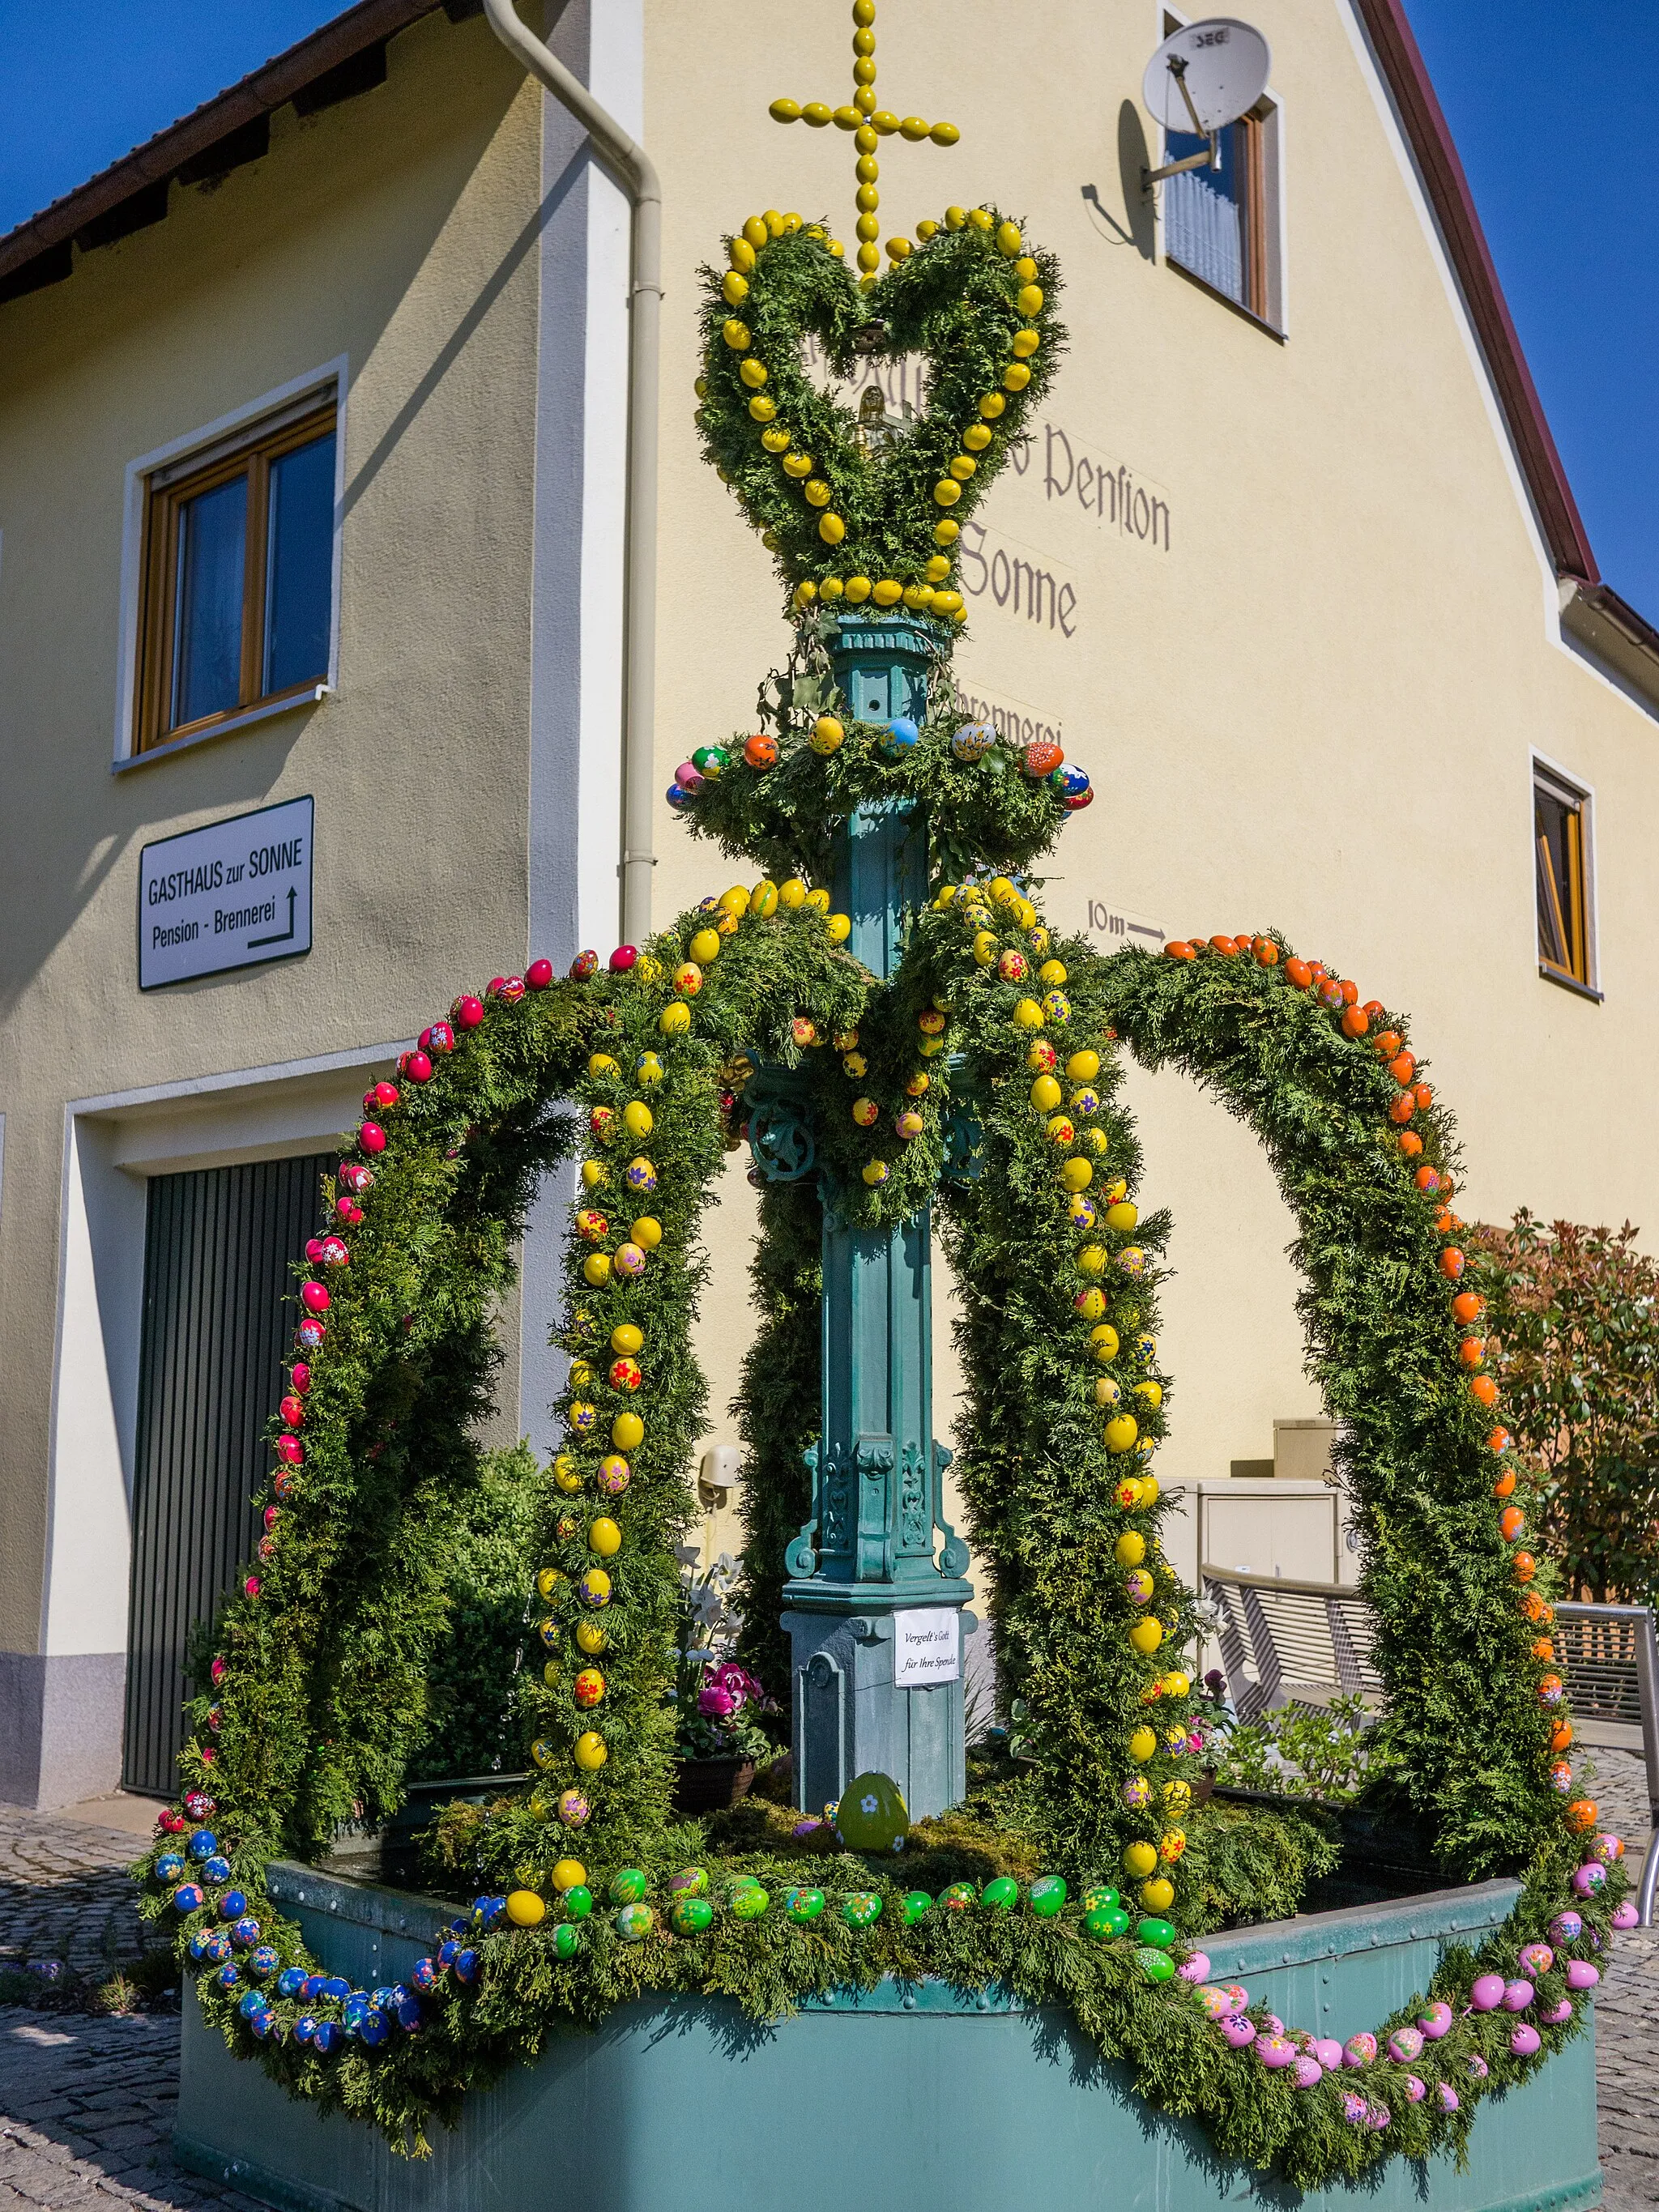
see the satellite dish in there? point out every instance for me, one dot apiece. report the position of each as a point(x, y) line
point(1206, 75)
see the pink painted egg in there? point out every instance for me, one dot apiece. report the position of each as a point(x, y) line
point(1567, 1927)
point(539, 975)
point(1378, 2117)
point(1517, 1996)
point(1559, 2015)
point(1354, 2109)
point(1476, 2066)
point(1359, 2049)
point(1195, 1967)
point(1237, 1994)
point(1405, 2045)
point(1436, 2021)
point(1329, 2051)
point(1415, 2090)
point(1275, 2050)
point(1309, 2072)
point(1626, 1916)
point(1581, 1975)
point(1607, 1849)
point(1589, 1879)
point(1535, 1959)
point(1238, 2030)
point(1524, 2040)
point(1213, 2002)
point(1449, 2097)
point(1487, 1993)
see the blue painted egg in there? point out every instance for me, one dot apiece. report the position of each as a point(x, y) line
point(489, 1909)
point(902, 737)
point(217, 1869)
point(247, 1933)
point(372, 2028)
point(424, 1973)
point(1069, 782)
point(202, 1844)
point(262, 2021)
point(227, 1976)
point(332, 1986)
point(263, 1961)
point(169, 1867)
point(466, 1965)
point(327, 2036)
point(233, 1904)
point(352, 2011)
point(678, 797)
point(217, 1946)
point(188, 1897)
point(252, 2001)
point(291, 1981)
point(305, 2027)
point(408, 2016)
point(198, 1943)
point(446, 1951)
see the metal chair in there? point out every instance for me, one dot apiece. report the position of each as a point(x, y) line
point(1290, 1642)
point(1607, 1658)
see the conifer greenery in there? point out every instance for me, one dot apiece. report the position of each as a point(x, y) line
point(982, 1077)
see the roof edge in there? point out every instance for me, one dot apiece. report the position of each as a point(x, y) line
point(1395, 45)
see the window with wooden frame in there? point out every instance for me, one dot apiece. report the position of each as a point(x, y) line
point(1561, 863)
point(238, 593)
point(1220, 221)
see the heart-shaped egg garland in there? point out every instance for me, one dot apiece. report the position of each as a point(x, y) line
point(852, 517)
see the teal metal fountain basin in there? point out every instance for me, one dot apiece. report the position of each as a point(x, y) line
point(901, 2101)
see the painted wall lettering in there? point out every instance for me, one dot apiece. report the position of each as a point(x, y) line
point(1107, 491)
point(1111, 925)
point(1018, 580)
point(1016, 724)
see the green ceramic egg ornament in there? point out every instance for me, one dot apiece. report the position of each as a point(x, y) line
point(629, 1887)
point(1157, 1966)
point(862, 1909)
point(1158, 1934)
point(1100, 1897)
point(1105, 1924)
point(1001, 1895)
point(577, 1902)
point(959, 1898)
point(689, 1916)
point(804, 1905)
point(872, 1815)
point(1047, 1894)
point(748, 1899)
point(567, 1941)
point(917, 1902)
point(633, 1923)
point(689, 1881)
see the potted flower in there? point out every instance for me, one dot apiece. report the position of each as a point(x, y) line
point(718, 1739)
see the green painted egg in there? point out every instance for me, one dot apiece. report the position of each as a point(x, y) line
point(633, 1923)
point(1120, 1920)
point(861, 1909)
point(1100, 1925)
point(1048, 1895)
point(1157, 1933)
point(1099, 1897)
point(567, 1941)
point(1157, 1966)
point(689, 1916)
point(959, 1898)
point(917, 1902)
point(872, 1815)
point(689, 1881)
point(629, 1887)
point(577, 1902)
point(1000, 1895)
point(804, 1903)
point(748, 1899)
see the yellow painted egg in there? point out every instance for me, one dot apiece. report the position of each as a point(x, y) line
point(688, 979)
point(1028, 1015)
point(764, 901)
point(1175, 1684)
point(705, 946)
point(1091, 1304)
point(1076, 1174)
point(1149, 1490)
point(1140, 1859)
point(1105, 1342)
point(569, 1873)
point(1122, 1215)
point(594, 1172)
point(627, 1432)
point(1092, 1259)
point(1120, 1433)
point(1061, 1130)
point(1045, 1094)
point(596, 1269)
point(1052, 972)
point(601, 1064)
point(791, 892)
point(1083, 1067)
point(647, 1232)
point(525, 1909)
point(827, 735)
point(1138, 1586)
point(637, 1118)
point(839, 928)
point(985, 948)
point(625, 1338)
point(589, 1637)
point(675, 1020)
point(590, 1751)
point(1146, 1634)
point(605, 1537)
point(1152, 1392)
point(1143, 1744)
point(547, 1581)
point(1107, 1392)
point(1158, 1896)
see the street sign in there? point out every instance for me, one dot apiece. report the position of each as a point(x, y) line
point(232, 895)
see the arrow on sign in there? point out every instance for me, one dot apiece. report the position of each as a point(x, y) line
point(283, 936)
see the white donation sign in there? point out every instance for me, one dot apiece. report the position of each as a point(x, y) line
point(232, 895)
point(927, 1646)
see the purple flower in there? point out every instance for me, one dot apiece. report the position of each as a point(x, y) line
point(716, 1702)
point(1215, 1682)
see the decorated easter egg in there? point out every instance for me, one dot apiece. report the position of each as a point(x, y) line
point(1214, 2002)
point(1607, 1849)
point(749, 1899)
point(628, 1887)
point(973, 741)
point(1000, 1895)
point(633, 1923)
point(1588, 1879)
point(1486, 1993)
point(862, 1909)
point(595, 1587)
point(1275, 2050)
point(1436, 2020)
point(588, 1688)
point(689, 1916)
point(961, 1897)
point(1405, 2045)
point(873, 1815)
point(1237, 2031)
point(614, 1475)
point(1136, 1792)
point(1157, 1933)
point(1047, 1895)
point(916, 1903)
point(577, 1902)
point(803, 1905)
point(709, 760)
point(902, 737)
point(1155, 1965)
point(1581, 1975)
point(573, 1809)
point(1359, 2049)
point(1100, 1897)
point(1567, 1926)
point(567, 1941)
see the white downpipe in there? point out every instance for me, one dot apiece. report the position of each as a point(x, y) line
point(634, 169)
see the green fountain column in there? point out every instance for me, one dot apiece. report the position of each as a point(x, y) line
point(875, 1599)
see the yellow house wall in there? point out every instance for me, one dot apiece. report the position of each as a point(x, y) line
point(1315, 711)
point(387, 230)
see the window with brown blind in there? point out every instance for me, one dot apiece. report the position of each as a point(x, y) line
point(237, 607)
point(1561, 861)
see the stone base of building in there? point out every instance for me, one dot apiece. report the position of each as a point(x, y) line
point(60, 1727)
point(894, 2101)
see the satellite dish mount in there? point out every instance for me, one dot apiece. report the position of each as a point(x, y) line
point(1203, 77)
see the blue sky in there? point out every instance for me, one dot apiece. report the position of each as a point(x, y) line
point(1544, 99)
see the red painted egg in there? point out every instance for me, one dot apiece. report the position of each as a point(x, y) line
point(539, 975)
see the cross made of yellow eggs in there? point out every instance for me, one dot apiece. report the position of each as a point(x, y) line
point(869, 124)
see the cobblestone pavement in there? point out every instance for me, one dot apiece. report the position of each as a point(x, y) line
point(86, 2102)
